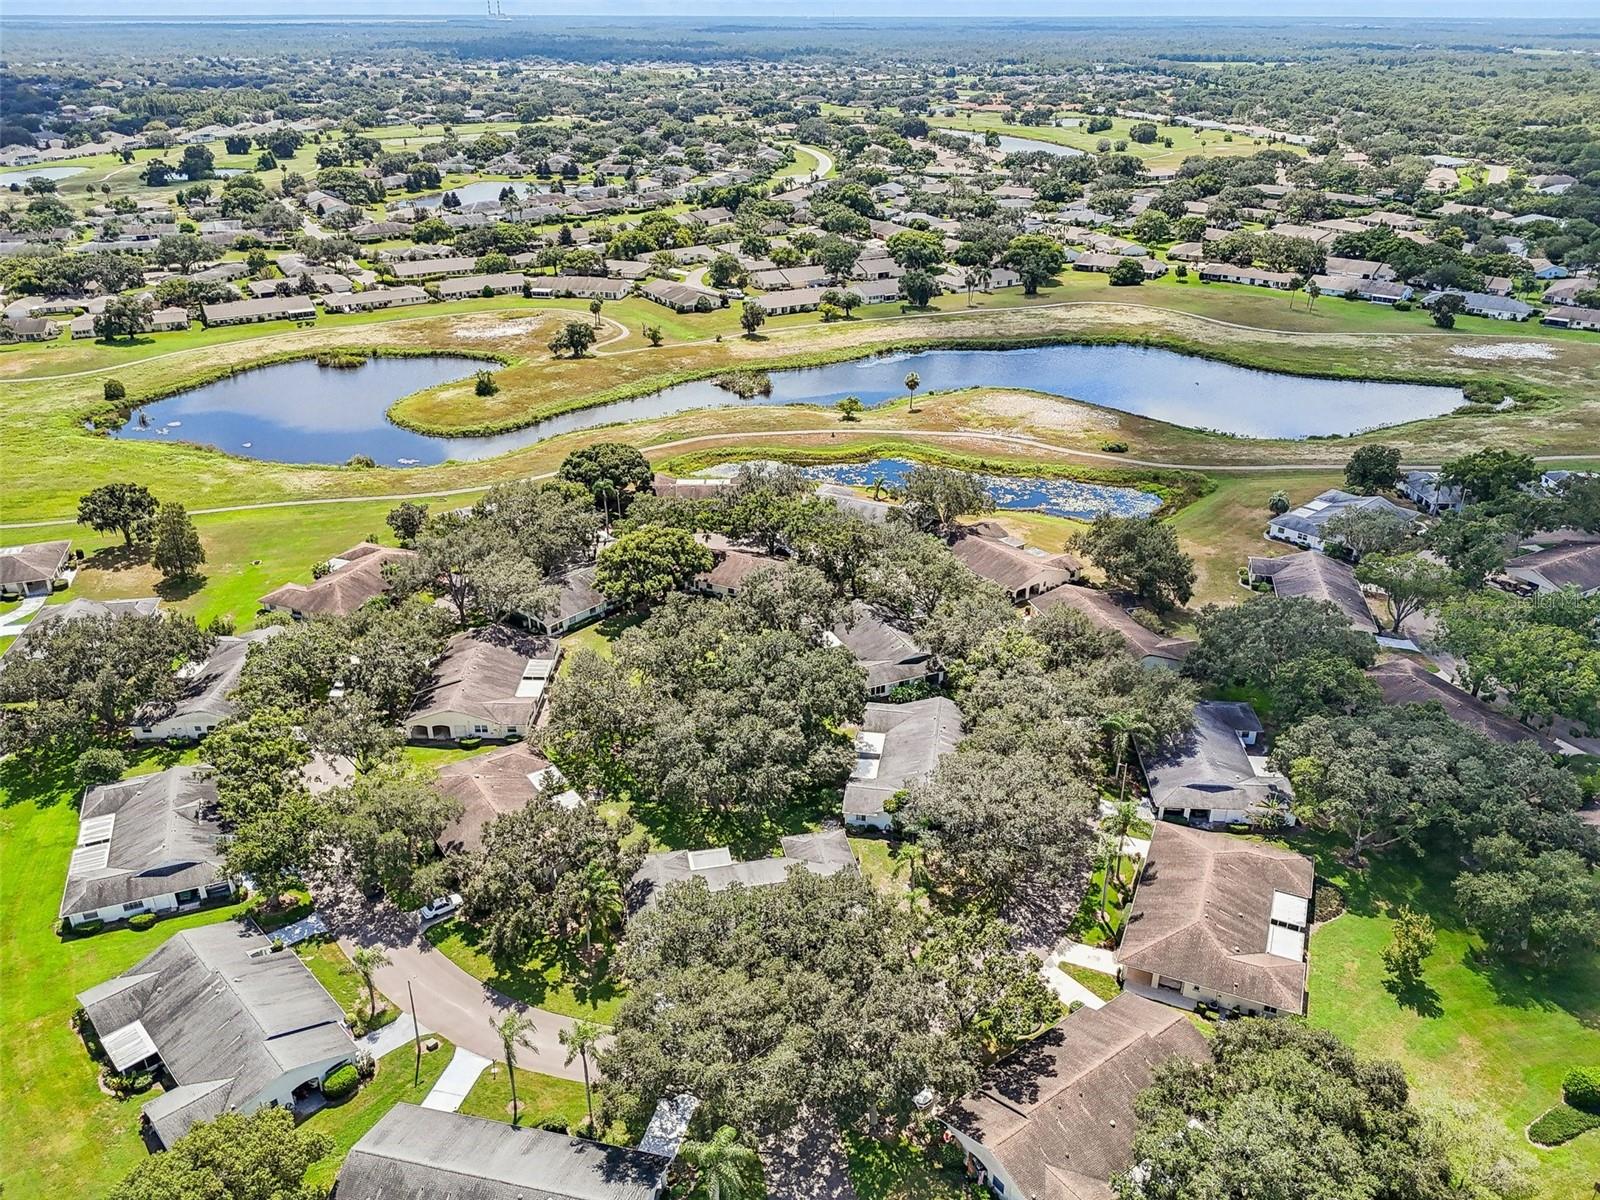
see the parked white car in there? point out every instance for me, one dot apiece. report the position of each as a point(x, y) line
point(440, 907)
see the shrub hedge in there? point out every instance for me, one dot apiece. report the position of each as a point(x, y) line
point(141, 920)
point(1581, 1087)
point(341, 1081)
point(1561, 1124)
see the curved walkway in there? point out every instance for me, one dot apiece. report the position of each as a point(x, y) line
point(1011, 439)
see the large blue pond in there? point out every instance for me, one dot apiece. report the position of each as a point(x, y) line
point(299, 412)
point(1057, 497)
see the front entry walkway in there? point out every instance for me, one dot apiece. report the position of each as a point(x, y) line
point(459, 1076)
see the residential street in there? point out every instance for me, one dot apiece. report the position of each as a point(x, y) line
point(449, 1002)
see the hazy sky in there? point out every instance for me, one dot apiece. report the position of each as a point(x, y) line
point(812, 9)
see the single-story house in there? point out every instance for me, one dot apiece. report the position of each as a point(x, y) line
point(490, 785)
point(234, 1026)
point(582, 287)
point(466, 286)
point(824, 853)
point(81, 326)
point(433, 268)
point(32, 569)
point(1055, 1118)
point(1314, 576)
point(898, 744)
point(78, 609)
point(28, 329)
point(1209, 776)
point(374, 298)
point(1216, 272)
point(269, 308)
point(488, 683)
point(1020, 571)
point(1304, 526)
point(1427, 492)
point(1152, 649)
point(1219, 920)
point(680, 297)
point(1481, 304)
point(792, 300)
point(147, 844)
point(890, 655)
point(1405, 681)
point(1571, 564)
point(416, 1153)
point(577, 601)
point(356, 577)
point(203, 698)
point(1374, 291)
point(732, 565)
point(169, 320)
point(1568, 316)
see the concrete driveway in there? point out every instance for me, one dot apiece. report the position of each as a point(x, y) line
point(455, 1005)
point(448, 1001)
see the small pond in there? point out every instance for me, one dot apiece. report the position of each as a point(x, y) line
point(22, 174)
point(1057, 497)
point(299, 412)
point(1011, 144)
point(476, 193)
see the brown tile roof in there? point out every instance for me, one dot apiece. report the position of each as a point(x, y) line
point(1108, 614)
point(1203, 909)
point(340, 592)
point(1057, 1115)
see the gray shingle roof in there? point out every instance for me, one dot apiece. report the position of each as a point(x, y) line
point(417, 1153)
point(206, 686)
point(1203, 910)
point(480, 674)
point(1209, 767)
point(1315, 576)
point(915, 737)
point(35, 562)
point(889, 653)
point(216, 1012)
point(144, 837)
point(824, 853)
point(1108, 614)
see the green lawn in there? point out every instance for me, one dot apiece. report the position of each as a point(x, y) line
point(1087, 926)
point(599, 636)
point(1104, 986)
point(59, 1134)
point(542, 1098)
point(898, 1170)
point(1491, 1035)
point(397, 1081)
point(558, 982)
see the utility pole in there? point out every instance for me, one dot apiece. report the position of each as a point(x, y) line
point(416, 1036)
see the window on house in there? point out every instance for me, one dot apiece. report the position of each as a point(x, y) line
point(133, 906)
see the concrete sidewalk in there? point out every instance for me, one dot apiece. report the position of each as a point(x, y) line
point(459, 1076)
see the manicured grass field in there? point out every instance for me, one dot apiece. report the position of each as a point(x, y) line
point(59, 1134)
point(1483, 1033)
point(541, 1097)
point(397, 1081)
point(558, 981)
point(1186, 140)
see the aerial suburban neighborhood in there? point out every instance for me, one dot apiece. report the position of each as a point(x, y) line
point(900, 605)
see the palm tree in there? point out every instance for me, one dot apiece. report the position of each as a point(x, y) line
point(1117, 826)
point(366, 962)
point(595, 306)
point(976, 278)
point(579, 1039)
point(513, 1030)
point(913, 382)
point(596, 902)
point(725, 1165)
